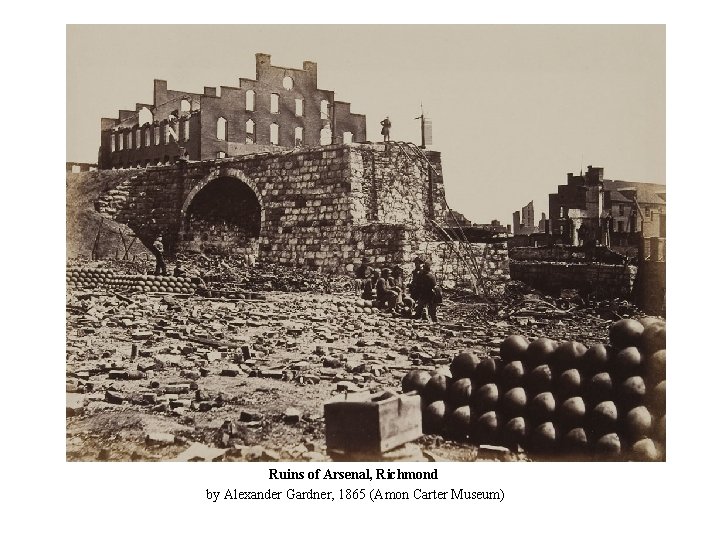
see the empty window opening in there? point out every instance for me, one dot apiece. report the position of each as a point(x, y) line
point(147, 136)
point(184, 106)
point(274, 134)
point(249, 132)
point(325, 136)
point(156, 130)
point(298, 136)
point(121, 140)
point(112, 142)
point(288, 83)
point(274, 103)
point(621, 210)
point(129, 140)
point(621, 226)
point(250, 100)
point(299, 107)
point(347, 137)
point(186, 130)
point(222, 129)
point(221, 154)
point(145, 116)
point(138, 139)
point(166, 132)
point(324, 109)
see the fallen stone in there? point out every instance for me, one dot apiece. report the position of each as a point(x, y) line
point(115, 398)
point(201, 452)
point(74, 405)
point(159, 438)
point(292, 415)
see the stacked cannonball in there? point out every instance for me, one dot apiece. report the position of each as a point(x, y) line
point(554, 399)
point(357, 306)
point(91, 278)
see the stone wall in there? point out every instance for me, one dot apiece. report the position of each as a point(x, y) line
point(600, 280)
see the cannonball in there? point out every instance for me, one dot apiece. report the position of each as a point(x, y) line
point(638, 423)
point(512, 374)
point(609, 445)
point(464, 364)
point(657, 398)
point(645, 450)
point(485, 397)
point(514, 401)
point(539, 351)
point(436, 387)
point(628, 361)
point(572, 411)
point(434, 417)
point(575, 441)
point(603, 418)
point(513, 348)
point(458, 423)
point(485, 370)
point(415, 380)
point(514, 432)
point(484, 429)
point(625, 333)
point(569, 383)
point(653, 338)
point(595, 359)
point(632, 391)
point(460, 391)
point(542, 407)
point(568, 355)
point(600, 388)
point(543, 437)
point(648, 321)
point(655, 366)
point(540, 379)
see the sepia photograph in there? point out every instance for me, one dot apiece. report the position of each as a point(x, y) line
point(365, 243)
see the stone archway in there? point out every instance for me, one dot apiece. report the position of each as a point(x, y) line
point(222, 215)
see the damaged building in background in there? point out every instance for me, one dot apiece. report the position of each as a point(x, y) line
point(281, 107)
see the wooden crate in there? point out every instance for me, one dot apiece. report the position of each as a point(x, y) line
point(365, 423)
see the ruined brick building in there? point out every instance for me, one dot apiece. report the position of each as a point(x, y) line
point(591, 208)
point(281, 107)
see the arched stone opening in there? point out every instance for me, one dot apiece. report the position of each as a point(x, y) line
point(223, 217)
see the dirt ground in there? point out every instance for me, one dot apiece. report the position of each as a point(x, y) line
point(159, 377)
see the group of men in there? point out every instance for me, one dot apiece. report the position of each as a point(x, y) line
point(419, 300)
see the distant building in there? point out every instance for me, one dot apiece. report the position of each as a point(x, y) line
point(281, 107)
point(524, 220)
point(456, 219)
point(493, 226)
point(592, 209)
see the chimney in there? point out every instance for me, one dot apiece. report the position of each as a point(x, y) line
point(262, 63)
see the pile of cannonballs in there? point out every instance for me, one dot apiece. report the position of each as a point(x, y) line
point(90, 278)
point(355, 306)
point(561, 400)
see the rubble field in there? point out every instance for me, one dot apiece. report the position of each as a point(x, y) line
point(242, 375)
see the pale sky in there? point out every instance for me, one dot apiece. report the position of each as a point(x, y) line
point(514, 108)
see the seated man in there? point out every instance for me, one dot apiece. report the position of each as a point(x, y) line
point(362, 272)
point(178, 271)
point(386, 295)
point(369, 285)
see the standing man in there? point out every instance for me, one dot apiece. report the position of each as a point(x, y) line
point(158, 251)
point(415, 278)
point(426, 294)
point(385, 132)
point(362, 273)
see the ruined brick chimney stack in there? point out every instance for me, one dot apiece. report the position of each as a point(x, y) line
point(311, 68)
point(262, 63)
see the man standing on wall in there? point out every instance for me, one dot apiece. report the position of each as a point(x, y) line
point(158, 251)
point(385, 132)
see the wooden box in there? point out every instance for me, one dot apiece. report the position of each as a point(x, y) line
point(365, 423)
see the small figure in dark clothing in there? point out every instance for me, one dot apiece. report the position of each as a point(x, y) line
point(426, 294)
point(362, 273)
point(387, 295)
point(178, 270)
point(385, 132)
point(414, 277)
point(158, 251)
point(369, 285)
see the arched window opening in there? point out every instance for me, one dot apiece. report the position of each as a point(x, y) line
point(288, 83)
point(324, 109)
point(186, 129)
point(184, 106)
point(274, 134)
point(250, 100)
point(112, 142)
point(156, 131)
point(138, 139)
point(298, 136)
point(121, 141)
point(166, 131)
point(145, 116)
point(222, 129)
point(347, 137)
point(249, 132)
point(325, 136)
point(148, 136)
point(299, 107)
point(274, 103)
